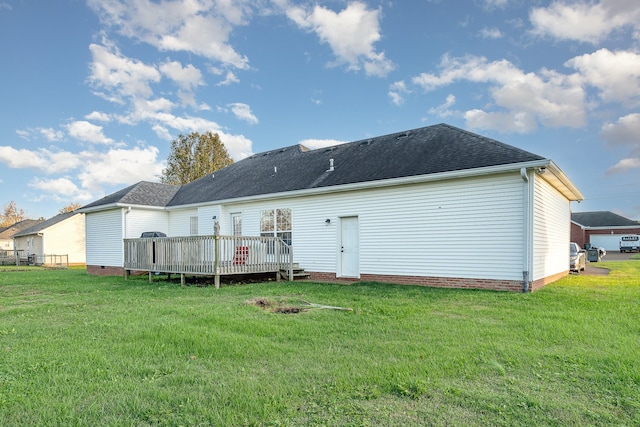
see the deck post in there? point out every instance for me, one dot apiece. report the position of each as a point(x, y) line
point(290, 264)
point(182, 281)
point(216, 260)
point(126, 274)
point(151, 277)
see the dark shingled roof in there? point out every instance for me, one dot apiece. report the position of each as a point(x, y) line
point(45, 224)
point(143, 193)
point(12, 230)
point(602, 219)
point(427, 150)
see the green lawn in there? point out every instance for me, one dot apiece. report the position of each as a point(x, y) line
point(78, 350)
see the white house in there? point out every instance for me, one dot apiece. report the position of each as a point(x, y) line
point(436, 206)
point(62, 235)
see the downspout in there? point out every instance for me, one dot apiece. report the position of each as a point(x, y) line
point(526, 231)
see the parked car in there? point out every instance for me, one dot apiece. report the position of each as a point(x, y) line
point(153, 234)
point(577, 258)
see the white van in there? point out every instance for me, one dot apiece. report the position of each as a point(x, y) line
point(630, 243)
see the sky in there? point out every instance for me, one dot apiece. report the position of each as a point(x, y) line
point(92, 92)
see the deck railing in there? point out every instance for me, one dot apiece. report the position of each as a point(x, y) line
point(208, 255)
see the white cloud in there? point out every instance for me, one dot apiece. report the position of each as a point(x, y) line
point(92, 169)
point(5, 6)
point(50, 134)
point(60, 190)
point(21, 158)
point(200, 27)
point(615, 74)
point(350, 33)
point(585, 21)
point(624, 165)
point(626, 131)
point(490, 33)
point(524, 99)
point(122, 76)
point(320, 143)
point(42, 159)
point(243, 112)
point(229, 78)
point(495, 3)
point(520, 122)
point(397, 91)
point(187, 77)
point(24, 134)
point(238, 146)
point(83, 130)
point(443, 110)
point(120, 167)
point(98, 116)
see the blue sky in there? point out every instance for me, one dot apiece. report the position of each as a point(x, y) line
point(93, 91)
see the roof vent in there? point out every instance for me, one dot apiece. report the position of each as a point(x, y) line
point(403, 135)
point(331, 168)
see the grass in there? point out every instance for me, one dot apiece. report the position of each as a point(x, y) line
point(78, 350)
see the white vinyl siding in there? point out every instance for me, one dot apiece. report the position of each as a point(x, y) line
point(551, 230)
point(180, 222)
point(139, 220)
point(104, 232)
point(66, 238)
point(468, 228)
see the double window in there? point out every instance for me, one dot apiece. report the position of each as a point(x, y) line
point(276, 223)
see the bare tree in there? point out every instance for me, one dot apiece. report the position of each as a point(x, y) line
point(194, 156)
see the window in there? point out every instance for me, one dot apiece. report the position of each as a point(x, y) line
point(276, 223)
point(193, 222)
point(236, 224)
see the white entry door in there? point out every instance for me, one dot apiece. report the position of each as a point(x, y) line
point(349, 247)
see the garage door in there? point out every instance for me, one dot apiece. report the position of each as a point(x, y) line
point(610, 242)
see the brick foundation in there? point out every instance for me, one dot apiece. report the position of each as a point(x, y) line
point(549, 279)
point(436, 282)
point(442, 282)
point(105, 270)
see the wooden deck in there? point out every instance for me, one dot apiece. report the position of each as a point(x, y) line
point(208, 255)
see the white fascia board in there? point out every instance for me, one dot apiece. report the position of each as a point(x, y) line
point(612, 227)
point(111, 206)
point(512, 167)
point(559, 180)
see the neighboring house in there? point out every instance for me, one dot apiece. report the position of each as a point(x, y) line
point(64, 234)
point(602, 229)
point(436, 206)
point(7, 233)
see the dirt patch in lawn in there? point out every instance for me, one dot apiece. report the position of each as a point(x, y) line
point(280, 306)
point(286, 305)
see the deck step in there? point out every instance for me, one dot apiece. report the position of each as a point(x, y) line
point(298, 273)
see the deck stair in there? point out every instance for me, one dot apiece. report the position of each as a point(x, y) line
point(298, 273)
